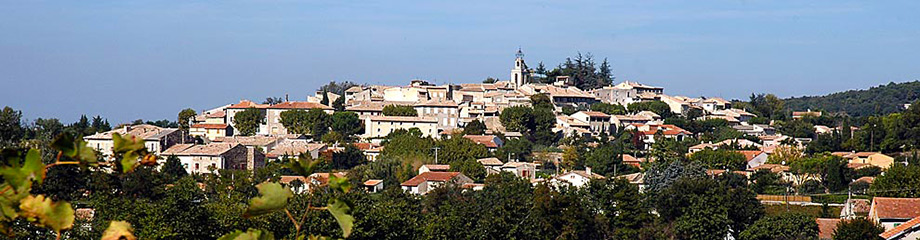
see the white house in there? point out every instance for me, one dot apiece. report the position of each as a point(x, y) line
point(204, 158)
point(156, 139)
point(427, 181)
point(575, 178)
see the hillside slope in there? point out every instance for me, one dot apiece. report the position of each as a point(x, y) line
point(882, 99)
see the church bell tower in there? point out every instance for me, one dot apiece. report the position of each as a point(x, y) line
point(520, 75)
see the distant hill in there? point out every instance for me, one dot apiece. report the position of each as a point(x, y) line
point(883, 99)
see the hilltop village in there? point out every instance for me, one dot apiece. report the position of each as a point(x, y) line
point(543, 154)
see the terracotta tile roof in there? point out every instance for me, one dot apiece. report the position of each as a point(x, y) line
point(630, 159)
point(775, 168)
point(211, 149)
point(855, 165)
point(210, 125)
point(896, 208)
point(844, 154)
point(472, 185)
point(323, 178)
point(901, 229)
point(300, 105)
point(142, 131)
point(289, 179)
point(826, 227)
point(866, 179)
point(750, 154)
point(293, 148)
point(437, 167)
point(261, 141)
point(490, 161)
point(247, 104)
point(486, 140)
point(354, 89)
point(372, 182)
point(432, 177)
point(365, 146)
point(217, 114)
point(866, 154)
point(596, 114)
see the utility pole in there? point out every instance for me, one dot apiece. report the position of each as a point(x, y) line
point(436, 154)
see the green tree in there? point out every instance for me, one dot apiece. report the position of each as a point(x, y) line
point(183, 119)
point(339, 103)
point(475, 127)
point(611, 109)
point(517, 118)
point(10, 126)
point(542, 132)
point(606, 160)
point(347, 123)
point(657, 107)
point(858, 229)
point(720, 159)
point(399, 110)
point(173, 168)
point(618, 204)
point(459, 149)
point(314, 121)
point(541, 100)
point(899, 181)
point(348, 158)
point(248, 121)
point(786, 226)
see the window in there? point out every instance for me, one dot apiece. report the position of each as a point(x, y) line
point(196, 167)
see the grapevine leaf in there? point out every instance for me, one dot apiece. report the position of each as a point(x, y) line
point(127, 143)
point(74, 148)
point(9, 202)
point(340, 210)
point(20, 174)
point(339, 183)
point(128, 161)
point(303, 165)
point(272, 196)
point(251, 234)
point(33, 166)
point(119, 230)
point(44, 212)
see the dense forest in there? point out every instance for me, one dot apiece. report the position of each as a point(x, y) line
point(880, 100)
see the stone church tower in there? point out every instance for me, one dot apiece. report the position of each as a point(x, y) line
point(520, 75)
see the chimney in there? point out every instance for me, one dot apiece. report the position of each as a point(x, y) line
point(588, 171)
point(285, 97)
point(127, 128)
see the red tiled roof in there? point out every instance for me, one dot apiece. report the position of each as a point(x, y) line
point(289, 179)
point(858, 165)
point(913, 223)
point(750, 154)
point(218, 114)
point(826, 227)
point(431, 176)
point(866, 179)
point(595, 114)
point(436, 167)
point(247, 104)
point(487, 140)
point(210, 125)
point(372, 182)
point(896, 208)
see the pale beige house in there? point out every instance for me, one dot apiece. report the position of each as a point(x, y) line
point(447, 113)
point(381, 126)
point(599, 121)
point(214, 156)
point(156, 139)
point(295, 147)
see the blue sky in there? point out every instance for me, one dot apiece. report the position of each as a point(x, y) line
point(127, 59)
